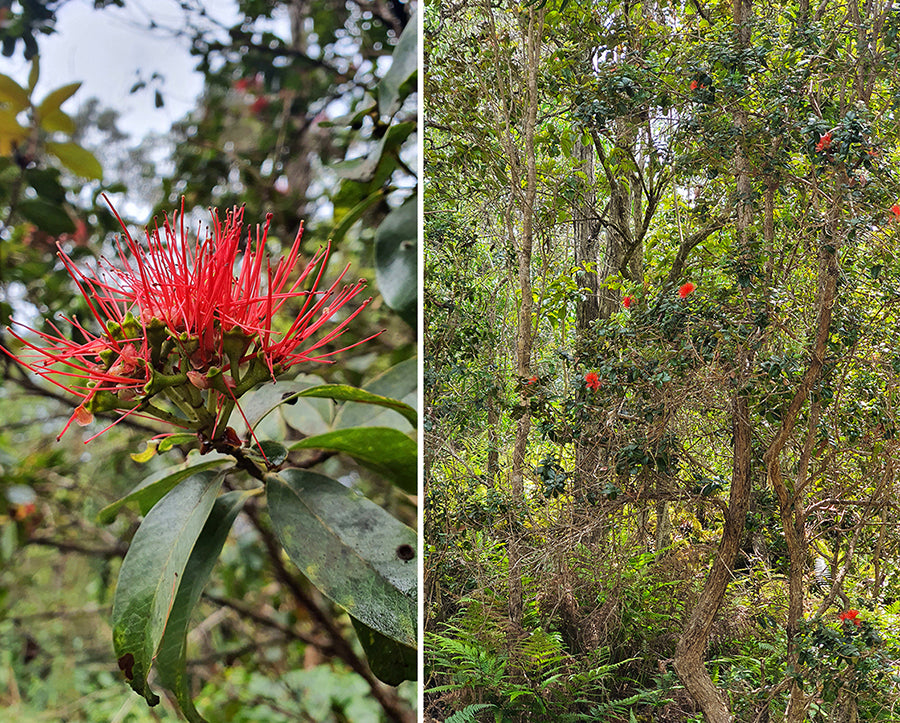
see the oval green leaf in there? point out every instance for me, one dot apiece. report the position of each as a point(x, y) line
point(172, 659)
point(354, 552)
point(390, 661)
point(384, 450)
point(55, 98)
point(48, 217)
point(347, 393)
point(153, 488)
point(396, 259)
point(12, 95)
point(152, 571)
point(58, 121)
point(77, 159)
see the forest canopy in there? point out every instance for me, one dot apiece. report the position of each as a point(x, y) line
point(662, 360)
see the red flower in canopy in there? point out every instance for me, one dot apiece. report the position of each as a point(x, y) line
point(850, 615)
point(824, 142)
point(628, 301)
point(895, 212)
point(686, 289)
point(694, 85)
point(532, 380)
point(259, 105)
point(591, 380)
point(180, 314)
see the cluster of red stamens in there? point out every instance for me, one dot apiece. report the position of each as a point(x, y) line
point(189, 322)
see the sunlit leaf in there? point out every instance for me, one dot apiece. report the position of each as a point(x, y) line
point(12, 95)
point(145, 456)
point(55, 99)
point(10, 127)
point(386, 451)
point(34, 73)
point(58, 121)
point(77, 159)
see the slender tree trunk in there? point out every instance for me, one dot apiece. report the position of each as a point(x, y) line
point(587, 311)
point(689, 654)
point(519, 215)
point(790, 499)
point(691, 648)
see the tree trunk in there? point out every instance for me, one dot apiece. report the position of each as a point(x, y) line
point(692, 644)
point(519, 216)
point(587, 311)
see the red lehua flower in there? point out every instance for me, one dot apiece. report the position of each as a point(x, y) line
point(242, 84)
point(178, 315)
point(850, 615)
point(824, 142)
point(686, 289)
point(628, 301)
point(895, 212)
point(591, 380)
point(694, 85)
point(259, 105)
point(531, 381)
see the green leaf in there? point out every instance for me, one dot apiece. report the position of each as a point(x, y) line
point(13, 95)
point(352, 394)
point(275, 452)
point(34, 73)
point(48, 217)
point(396, 259)
point(172, 658)
point(45, 182)
point(157, 485)
point(399, 80)
point(358, 555)
point(386, 451)
point(55, 98)
point(152, 571)
point(10, 127)
point(364, 169)
point(77, 159)
point(354, 214)
point(145, 456)
point(261, 402)
point(400, 382)
point(173, 440)
point(390, 661)
point(58, 121)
